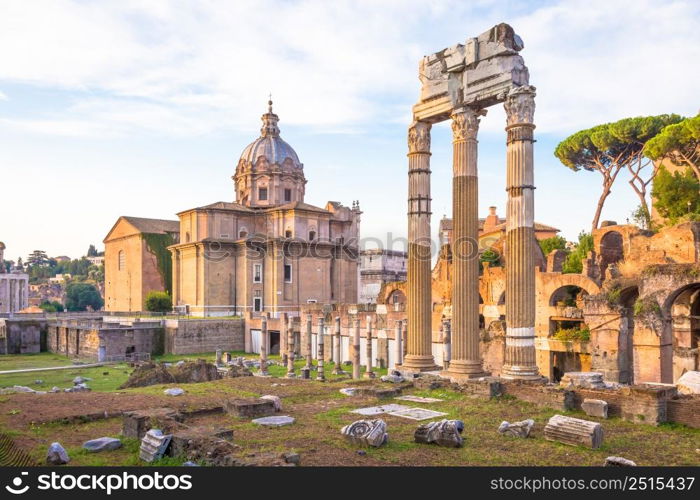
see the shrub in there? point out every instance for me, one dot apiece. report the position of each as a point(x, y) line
point(158, 302)
point(569, 334)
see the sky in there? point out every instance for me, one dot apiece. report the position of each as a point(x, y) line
point(124, 107)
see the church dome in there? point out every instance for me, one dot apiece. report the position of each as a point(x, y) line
point(270, 145)
point(269, 172)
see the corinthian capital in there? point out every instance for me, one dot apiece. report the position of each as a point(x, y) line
point(465, 123)
point(520, 105)
point(419, 137)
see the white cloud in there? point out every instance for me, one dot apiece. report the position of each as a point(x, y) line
point(3, 96)
point(179, 68)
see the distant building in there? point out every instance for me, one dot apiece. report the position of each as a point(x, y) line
point(379, 266)
point(14, 287)
point(137, 261)
point(60, 278)
point(97, 260)
point(62, 258)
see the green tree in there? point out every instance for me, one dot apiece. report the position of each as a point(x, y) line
point(158, 302)
point(38, 258)
point(680, 143)
point(611, 147)
point(92, 251)
point(553, 243)
point(677, 196)
point(80, 296)
point(574, 261)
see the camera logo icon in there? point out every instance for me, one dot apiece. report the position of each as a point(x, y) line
point(18, 489)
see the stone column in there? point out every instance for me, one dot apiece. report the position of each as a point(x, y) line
point(284, 319)
point(465, 361)
point(368, 368)
point(309, 347)
point(398, 344)
point(356, 348)
point(519, 360)
point(290, 348)
point(320, 375)
point(264, 341)
point(446, 343)
point(219, 354)
point(419, 356)
point(337, 368)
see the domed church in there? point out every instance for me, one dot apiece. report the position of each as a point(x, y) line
point(269, 250)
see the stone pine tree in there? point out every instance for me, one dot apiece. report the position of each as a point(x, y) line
point(679, 143)
point(612, 147)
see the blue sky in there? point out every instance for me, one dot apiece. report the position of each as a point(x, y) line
point(142, 108)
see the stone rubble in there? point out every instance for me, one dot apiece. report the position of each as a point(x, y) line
point(586, 380)
point(276, 401)
point(619, 462)
point(689, 383)
point(279, 421)
point(595, 408)
point(102, 444)
point(394, 377)
point(520, 429)
point(153, 445)
point(174, 391)
point(57, 455)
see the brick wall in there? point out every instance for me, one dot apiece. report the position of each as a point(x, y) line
point(541, 395)
point(642, 404)
point(684, 410)
point(204, 335)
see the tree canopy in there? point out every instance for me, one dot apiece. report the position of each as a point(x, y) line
point(574, 261)
point(553, 243)
point(677, 196)
point(679, 142)
point(609, 148)
point(80, 296)
point(158, 302)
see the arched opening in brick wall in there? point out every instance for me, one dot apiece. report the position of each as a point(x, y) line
point(682, 308)
point(611, 250)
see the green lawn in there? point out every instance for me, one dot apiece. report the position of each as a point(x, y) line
point(39, 360)
point(115, 376)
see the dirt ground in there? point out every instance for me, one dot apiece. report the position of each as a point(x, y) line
point(35, 421)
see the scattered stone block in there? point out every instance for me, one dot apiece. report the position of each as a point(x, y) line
point(431, 382)
point(520, 429)
point(595, 408)
point(153, 445)
point(235, 371)
point(419, 399)
point(102, 444)
point(174, 391)
point(394, 377)
point(38, 382)
point(417, 413)
point(135, 424)
point(366, 432)
point(55, 389)
point(371, 411)
point(379, 392)
point(250, 407)
point(276, 421)
point(348, 391)
point(305, 373)
point(619, 462)
point(276, 401)
point(446, 433)
point(190, 463)
point(574, 431)
point(689, 383)
point(292, 458)
point(588, 380)
point(57, 455)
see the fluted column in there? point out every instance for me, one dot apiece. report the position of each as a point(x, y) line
point(466, 358)
point(419, 355)
point(519, 360)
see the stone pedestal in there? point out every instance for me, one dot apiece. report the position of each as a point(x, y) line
point(574, 431)
point(419, 297)
point(519, 359)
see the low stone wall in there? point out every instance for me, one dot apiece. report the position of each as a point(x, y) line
point(190, 336)
point(642, 404)
point(541, 395)
point(684, 410)
point(22, 336)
